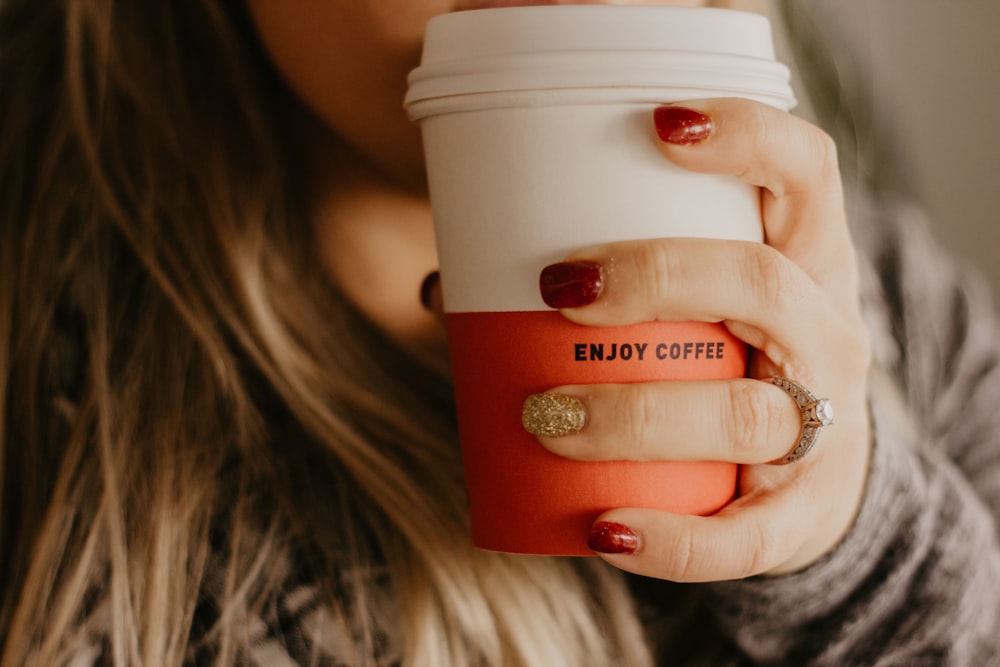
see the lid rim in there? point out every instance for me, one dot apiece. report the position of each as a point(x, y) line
point(596, 46)
point(525, 99)
point(766, 77)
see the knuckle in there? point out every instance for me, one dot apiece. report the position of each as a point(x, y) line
point(763, 549)
point(642, 414)
point(820, 151)
point(656, 268)
point(679, 554)
point(752, 422)
point(759, 128)
point(768, 275)
point(825, 149)
point(761, 122)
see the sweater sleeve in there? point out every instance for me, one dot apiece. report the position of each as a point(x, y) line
point(917, 579)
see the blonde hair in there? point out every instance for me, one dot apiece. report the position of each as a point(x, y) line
point(187, 404)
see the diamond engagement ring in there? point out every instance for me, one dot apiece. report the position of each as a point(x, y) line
point(816, 413)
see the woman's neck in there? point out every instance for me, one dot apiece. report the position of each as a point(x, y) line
point(377, 241)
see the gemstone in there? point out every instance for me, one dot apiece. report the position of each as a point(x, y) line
point(824, 411)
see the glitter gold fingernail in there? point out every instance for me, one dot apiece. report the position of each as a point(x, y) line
point(553, 415)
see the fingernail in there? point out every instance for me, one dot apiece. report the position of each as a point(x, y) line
point(682, 126)
point(553, 415)
point(571, 284)
point(427, 286)
point(607, 537)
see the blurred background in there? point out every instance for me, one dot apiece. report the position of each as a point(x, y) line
point(931, 72)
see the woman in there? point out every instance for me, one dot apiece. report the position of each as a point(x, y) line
point(227, 438)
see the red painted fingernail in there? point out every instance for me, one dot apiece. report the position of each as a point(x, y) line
point(571, 284)
point(607, 537)
point(682, 126)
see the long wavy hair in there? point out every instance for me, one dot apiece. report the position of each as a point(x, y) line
point(192, 417)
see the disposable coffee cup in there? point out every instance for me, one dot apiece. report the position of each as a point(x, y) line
point(538, 135)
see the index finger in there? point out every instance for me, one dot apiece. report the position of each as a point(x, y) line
point(794, 162)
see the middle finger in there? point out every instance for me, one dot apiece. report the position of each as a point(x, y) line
point(763, 297)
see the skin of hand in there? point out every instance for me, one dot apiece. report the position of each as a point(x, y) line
point(794, 300)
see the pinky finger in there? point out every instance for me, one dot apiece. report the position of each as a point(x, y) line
point(734, 544)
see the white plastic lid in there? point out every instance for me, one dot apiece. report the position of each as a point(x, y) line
point(709, 52)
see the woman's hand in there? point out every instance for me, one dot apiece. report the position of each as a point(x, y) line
point(793, 299)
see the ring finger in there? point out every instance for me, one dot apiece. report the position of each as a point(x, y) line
point(743, 421)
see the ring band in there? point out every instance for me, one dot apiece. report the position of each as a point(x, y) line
point(816, 413)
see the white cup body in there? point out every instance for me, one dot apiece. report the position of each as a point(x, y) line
point(532, 184)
